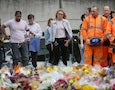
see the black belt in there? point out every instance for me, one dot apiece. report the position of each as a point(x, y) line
point(60, 38)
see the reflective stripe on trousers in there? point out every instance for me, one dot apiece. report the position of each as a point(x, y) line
point(95, 52)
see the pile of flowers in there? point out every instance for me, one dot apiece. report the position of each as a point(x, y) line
point(76, 77)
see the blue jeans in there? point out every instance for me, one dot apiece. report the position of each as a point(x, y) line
point(20, 53)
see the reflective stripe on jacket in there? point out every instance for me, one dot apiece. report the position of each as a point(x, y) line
point(93, 27)
point(110, 32)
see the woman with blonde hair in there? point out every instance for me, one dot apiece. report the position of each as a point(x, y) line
point(61, 35)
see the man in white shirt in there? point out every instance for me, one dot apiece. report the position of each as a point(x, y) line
point(19, 47)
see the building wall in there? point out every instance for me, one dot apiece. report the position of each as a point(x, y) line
point(44, 9)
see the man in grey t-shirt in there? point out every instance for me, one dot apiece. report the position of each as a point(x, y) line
point(19, 47)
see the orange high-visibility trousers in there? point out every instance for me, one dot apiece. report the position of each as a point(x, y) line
point(104, 62)
point(110, 34)
point(93, 51)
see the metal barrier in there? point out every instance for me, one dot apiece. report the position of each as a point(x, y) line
point(43, 51)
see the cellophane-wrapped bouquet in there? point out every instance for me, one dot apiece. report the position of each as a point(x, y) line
point(76, 77)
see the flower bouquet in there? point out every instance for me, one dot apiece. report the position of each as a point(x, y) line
point(60, 85)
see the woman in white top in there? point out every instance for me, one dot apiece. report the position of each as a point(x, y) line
point(61, 35)
point(35, 34)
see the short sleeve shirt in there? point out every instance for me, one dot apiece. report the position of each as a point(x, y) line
point(17, 30)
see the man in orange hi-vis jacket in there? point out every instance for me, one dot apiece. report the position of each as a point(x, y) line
point(110, 33)
point(92, 30)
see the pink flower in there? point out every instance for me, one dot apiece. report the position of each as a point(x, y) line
point(112, 82)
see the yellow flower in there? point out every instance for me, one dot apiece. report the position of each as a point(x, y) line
point(35, 87)
point(76, 70)
point(55, 69)
point(38, 71)
point(71, 81)
point(77, 86)
point(49, 69)
point(88, 87)
point(34, 84)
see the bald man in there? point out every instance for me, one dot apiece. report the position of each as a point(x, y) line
point(92, 30)
point(106, 12)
